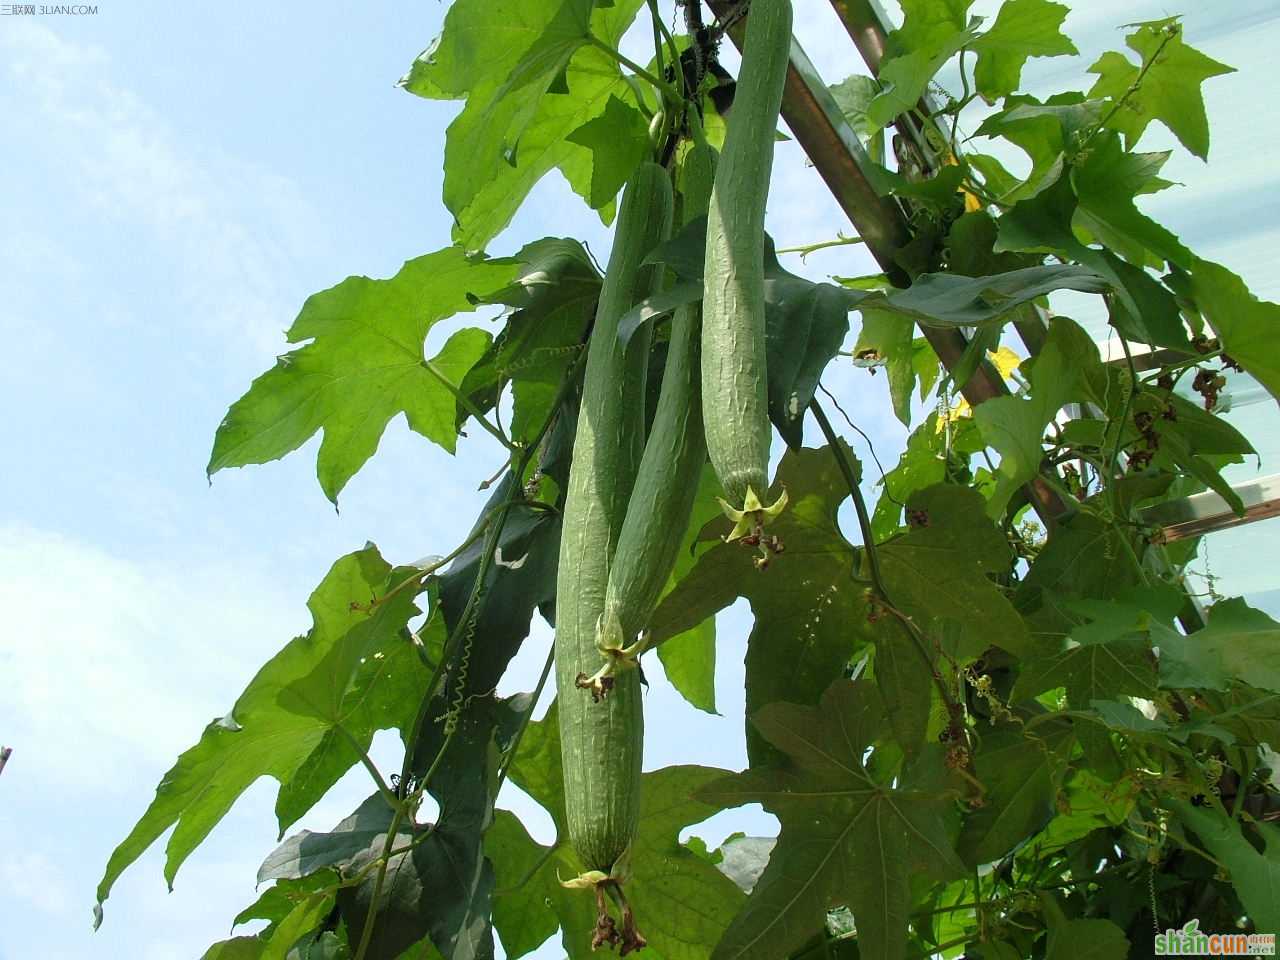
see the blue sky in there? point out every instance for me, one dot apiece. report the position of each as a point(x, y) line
point(176, 180)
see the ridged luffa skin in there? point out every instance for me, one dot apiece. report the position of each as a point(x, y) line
point(602, 741)
point(734, 388)
point(673, 455)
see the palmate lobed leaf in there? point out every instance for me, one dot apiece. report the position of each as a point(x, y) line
point(848, 837)
point(363, 366)
point(442, 888)
point(356, 669)
point(1022, 29)
point(528, 87)
point(809, 619)
point(1169, 91)
point(1238, 644)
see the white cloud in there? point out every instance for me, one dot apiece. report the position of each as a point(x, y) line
point(148, 186)
point(112, 665)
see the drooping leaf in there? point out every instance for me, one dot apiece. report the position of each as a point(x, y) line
point(806, 322)
point(1169, 90)
point(356, 668)
point(363, 366)
point(947, 300)
point(1255, 875)
point(1022, 29)
point(848, 836)
point(1106, 183)
point(809, 617)
point(553, 300)
point(1238, 643)
point(1144, 310)
point(523, 583)
point(442, 887)
point(1246, 325)
point(682, 902)
point(306, 852)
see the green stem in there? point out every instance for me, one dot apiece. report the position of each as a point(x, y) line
point(387, 793)
point(668, 91)
point(807, 249)
point(465, 402)
point(371, 917)
point(873, 560)
point(1133, 88)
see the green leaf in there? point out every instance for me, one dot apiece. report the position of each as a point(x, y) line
point(1083, 557)
point(1238, 643)
point(921, 465)
point(618, 140)
point(1048, 133)
point(1246, 325)
point(1255, 875)
point(530, 539)
point(363, 366)
point(237, 948)
point(302, 920)
point(886, 339)
point(1083, 939)
point(1144, 310)
point(853, 95)
point(937, 572)
point(1107, 658)
point(442, 887)
point(1169, 90)
point(932, 33)
point(355, 667)
point(306, 852)
point(682, 902)
point(947, 300)
point(809, 617)
point(1106, 184)
point(1023, 29)
point(848, 836)
point(554, 299)
point(528, 87)
point(1015, 426)
point(1021, 773)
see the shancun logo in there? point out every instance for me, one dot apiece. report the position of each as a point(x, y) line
point(1190, 942)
